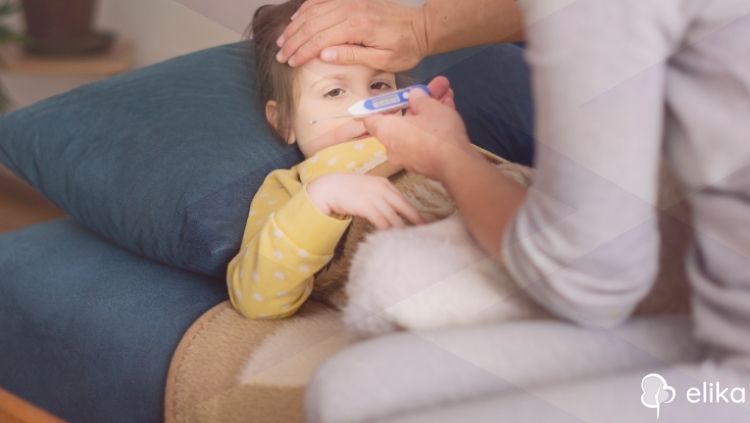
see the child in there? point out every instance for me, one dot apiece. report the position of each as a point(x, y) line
point(299, 215)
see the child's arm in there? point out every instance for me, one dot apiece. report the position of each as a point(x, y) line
point(286, 241)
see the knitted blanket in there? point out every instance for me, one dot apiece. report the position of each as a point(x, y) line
point(231, 369)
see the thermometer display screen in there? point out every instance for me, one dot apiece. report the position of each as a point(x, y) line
point(385, 102)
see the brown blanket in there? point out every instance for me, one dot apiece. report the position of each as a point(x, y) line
point(231, 369)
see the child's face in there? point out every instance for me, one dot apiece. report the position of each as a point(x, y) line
point(328, 90)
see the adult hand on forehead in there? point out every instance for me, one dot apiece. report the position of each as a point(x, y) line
point(382, 34)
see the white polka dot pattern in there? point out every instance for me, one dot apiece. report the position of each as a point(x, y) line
point(270, 250)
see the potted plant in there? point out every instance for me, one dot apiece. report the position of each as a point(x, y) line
point(7, 35)
point(61, 27)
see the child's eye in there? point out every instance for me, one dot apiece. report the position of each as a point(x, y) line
point(336, 92)
point(380, 85)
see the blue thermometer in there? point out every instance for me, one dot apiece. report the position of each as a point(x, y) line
point(395, 100)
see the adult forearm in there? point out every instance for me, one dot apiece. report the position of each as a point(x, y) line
point(486, 199)
point(451, 25)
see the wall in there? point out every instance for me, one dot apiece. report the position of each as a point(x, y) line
point(159, 29)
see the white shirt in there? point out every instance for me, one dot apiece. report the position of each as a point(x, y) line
point(619, 85)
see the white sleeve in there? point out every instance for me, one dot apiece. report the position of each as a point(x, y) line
point(585, 242)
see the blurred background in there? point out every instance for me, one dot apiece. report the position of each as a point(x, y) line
point(145, 32)
point(130, 34)
point(69, 43)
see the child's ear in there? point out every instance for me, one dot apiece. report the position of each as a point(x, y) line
point(272, 113)
point(272, 116)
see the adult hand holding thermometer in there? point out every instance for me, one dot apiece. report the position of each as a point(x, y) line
point(426, 139)
point(395, 100)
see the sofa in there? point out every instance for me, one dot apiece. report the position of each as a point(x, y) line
point(155, 169)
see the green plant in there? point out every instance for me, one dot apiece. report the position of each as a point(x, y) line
point(7, 35)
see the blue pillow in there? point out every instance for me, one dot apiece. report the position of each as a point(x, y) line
point(164, 160)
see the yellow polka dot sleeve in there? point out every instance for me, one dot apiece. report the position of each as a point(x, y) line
point(286, 241)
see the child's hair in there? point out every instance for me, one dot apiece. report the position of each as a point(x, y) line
point(274, 80)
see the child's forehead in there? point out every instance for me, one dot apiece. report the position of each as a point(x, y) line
point(316, 69)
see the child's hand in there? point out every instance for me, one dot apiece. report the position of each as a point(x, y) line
point(371, 197)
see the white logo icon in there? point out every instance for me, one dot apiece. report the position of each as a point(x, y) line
point(656, 392)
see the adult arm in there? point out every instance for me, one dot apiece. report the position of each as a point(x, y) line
point(452, 25)
point(584, 242)
point(486, 198)
point(431, 140)
point(392, 36)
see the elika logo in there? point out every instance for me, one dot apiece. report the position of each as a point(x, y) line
point(656, 391)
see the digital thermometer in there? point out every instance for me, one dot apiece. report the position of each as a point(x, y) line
point(395, 100)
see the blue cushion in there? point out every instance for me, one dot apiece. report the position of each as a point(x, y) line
point(87, 329)
point(165, 160)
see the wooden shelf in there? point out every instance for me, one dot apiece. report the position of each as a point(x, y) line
point(117, 60)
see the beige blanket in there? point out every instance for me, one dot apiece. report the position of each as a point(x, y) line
point(274, 358)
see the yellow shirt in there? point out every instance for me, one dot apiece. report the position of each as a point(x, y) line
point(287, 240)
